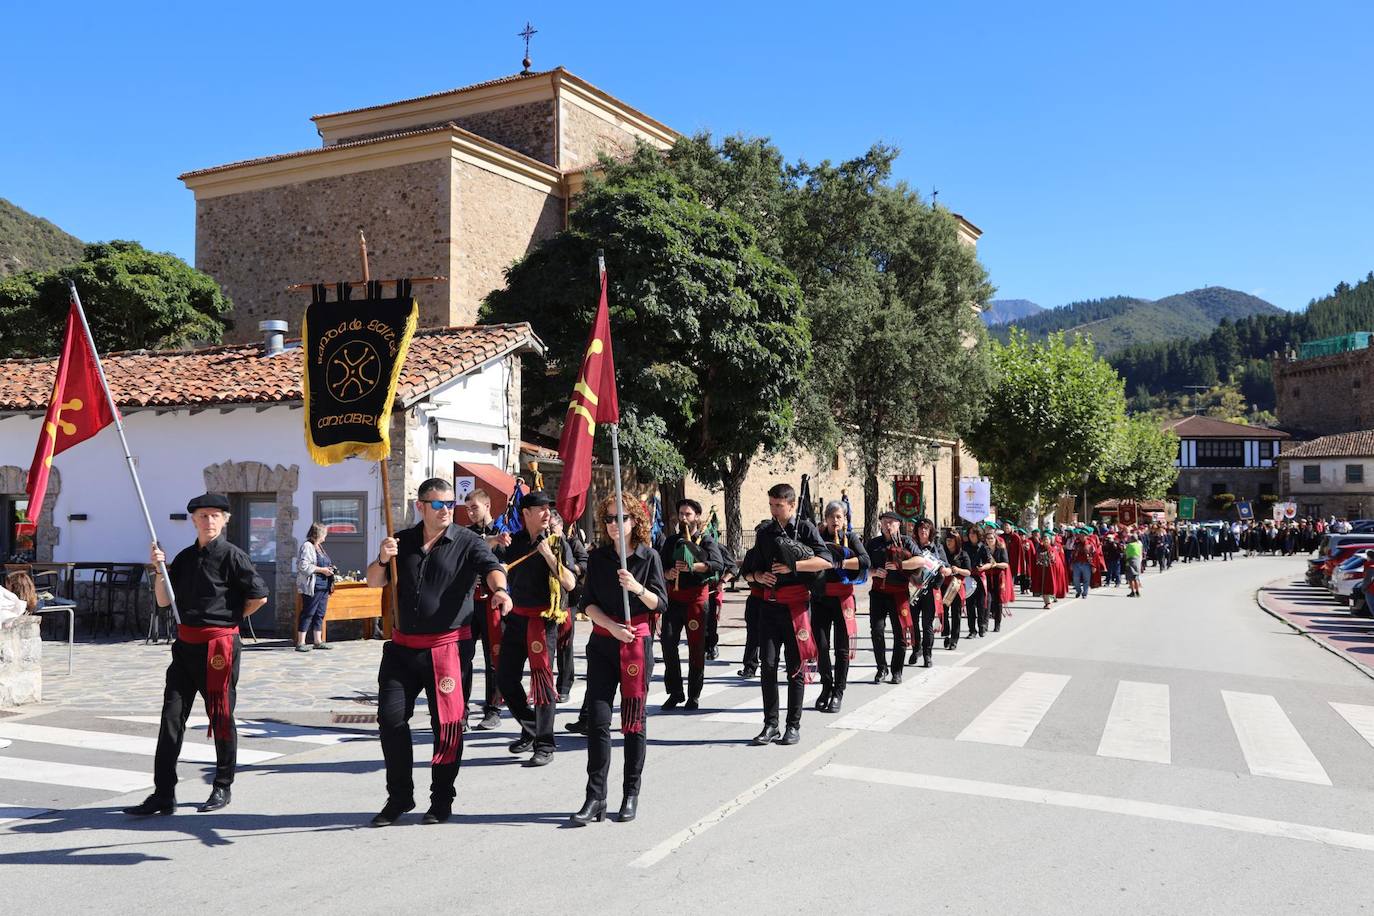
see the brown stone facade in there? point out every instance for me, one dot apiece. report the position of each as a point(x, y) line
point(257, 243)
point(14, 481)
point(527, 129)
point(255, 477)
point(1243, 483)
point(1327, 394)
point(585, 136)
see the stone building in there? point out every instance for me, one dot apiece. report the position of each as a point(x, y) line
point(457, 184)
point(1326, 394)
point(1331, 475)
point(1216, 457)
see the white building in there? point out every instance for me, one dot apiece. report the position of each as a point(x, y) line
point(1332, 475)
point(229, 419)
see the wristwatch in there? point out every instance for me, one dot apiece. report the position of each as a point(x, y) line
point(500, 588)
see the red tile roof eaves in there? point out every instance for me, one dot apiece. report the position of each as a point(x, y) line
point(241, 374)
point(1359, 444)
point(1200, 427)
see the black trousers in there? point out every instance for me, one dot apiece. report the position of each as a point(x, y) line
point(563, 662)
point(777, 637)
point(995, 606)
point(186, 679)
point(977, 611)
point(400, 678)
point(923, 621)
point(467, 653)
point(882, 607)
point(827, 618)
point(534, 720)
point(603, 679)
point(712, 621)
point(954, 621)
point(671, 630)
point(751, 631)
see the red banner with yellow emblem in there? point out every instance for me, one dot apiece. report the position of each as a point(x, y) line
point(594, 401)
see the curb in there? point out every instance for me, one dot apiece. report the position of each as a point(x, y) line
point(1343, 656)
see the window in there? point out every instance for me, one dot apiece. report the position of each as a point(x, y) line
point(1312, 510)
point(1311, 473)
point(344, 516)
point(1220, 453)
point(1354, 473)
point(1220, 487)
point(1297, 393)
point(17, 537)
point(1268, 448)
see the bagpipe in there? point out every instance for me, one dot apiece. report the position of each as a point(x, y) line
point(790, 551)
point(689, 551)
point(556, 611)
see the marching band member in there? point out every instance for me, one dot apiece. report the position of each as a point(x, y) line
point(216, 586)
point(540, 570)
point(893, 556)
point(486, 619)
point(786, 557)
point(437, 567)
point(997, 577)
point(619, 654)
point(691, 560)
point(832, 608)
point(980, 559)
point(956, 568)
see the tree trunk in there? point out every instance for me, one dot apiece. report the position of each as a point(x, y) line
point(870, 502)
point(733, 481)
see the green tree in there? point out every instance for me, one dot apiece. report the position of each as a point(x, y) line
point(134, 299)
point(710, 346)
point(1051, 415)
point(1139, 464)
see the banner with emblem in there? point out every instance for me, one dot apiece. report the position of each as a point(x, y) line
point(354, 350)
point(906, 496)
point(975, 498)
point(1244, 510)
point(1187, 507)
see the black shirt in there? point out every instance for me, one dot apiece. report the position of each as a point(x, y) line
point(883, 551)
point(434, 589)
point(856, 548)
point(529, 582)
point(978, 555)
point(213, 582)
point(764, 554)
point(715, 562)
point(602, 587)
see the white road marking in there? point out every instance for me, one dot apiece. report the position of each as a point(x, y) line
point(895, 706)
point(12, 813)
point(1361, 718)
point(656, 699)
point(1138, 725)
point(1270, 743)
point(191, 752)
point(252, 728)
point(4, 743)
point(1013, 717)
point(70, 774)
point(750, 712)
point(682, 837)
point(1198, 816)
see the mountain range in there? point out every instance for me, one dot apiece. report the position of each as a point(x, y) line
point(29, 242)
point(1000, 311)
point(1118, 322)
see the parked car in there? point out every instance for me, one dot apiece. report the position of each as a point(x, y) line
point(1347, 578)
point(1342, 550)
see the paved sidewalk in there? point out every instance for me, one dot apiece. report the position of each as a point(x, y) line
point(1314, 613)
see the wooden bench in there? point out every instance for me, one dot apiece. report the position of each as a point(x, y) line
point(350, 601)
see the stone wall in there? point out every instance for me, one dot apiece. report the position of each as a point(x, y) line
point(255, 477)
point(1327, 394)
point(14, 482)
point(527, 129)
point(496, 221)
point(257, 243)
point(21, 661)
point(1243, 483)
point(585, 136)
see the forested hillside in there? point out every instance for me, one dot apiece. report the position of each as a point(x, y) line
point(29, 242)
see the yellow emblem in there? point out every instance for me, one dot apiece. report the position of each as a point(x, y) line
point(803, 636)
point(694, 625)
point(446, 685)
point(218, 662)
point(849, 613)
point(632, 670)
point(536, 647)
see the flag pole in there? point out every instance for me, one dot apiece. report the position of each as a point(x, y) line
point(388, 620)
point(128, 456)
point(615, 468)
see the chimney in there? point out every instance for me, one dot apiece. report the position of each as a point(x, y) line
point(274, 333)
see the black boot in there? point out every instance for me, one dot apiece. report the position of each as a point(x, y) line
point(629, 807)
point(878, 678)
point(925, 659)
point(823, 701)
point(219, 798)
point(791, 736)
point(836, 701)
point(392, 810)
point(152, 805)
point(769, 734)
point(593, 809)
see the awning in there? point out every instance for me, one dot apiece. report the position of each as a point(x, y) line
point(465, 430)
point(495, 481)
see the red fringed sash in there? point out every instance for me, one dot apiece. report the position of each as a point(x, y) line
point(795, 598)
point(219, 669)
point(495, 628)
point(543, 690)
point(693, 602)
point(851, 623)
point(448, 686)
point(634, 685)
point(900, 592)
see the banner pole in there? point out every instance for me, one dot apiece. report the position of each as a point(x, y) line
point(615, 469)
point(388, 620)
point(128, 457)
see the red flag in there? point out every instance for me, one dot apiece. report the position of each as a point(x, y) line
point(78, 409)
point(594, 401)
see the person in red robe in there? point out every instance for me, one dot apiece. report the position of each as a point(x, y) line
point(1059, 568)
point(1042, 566)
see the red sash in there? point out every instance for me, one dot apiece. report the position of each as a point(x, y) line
point(901, 596)
point(448, 686)
point(219, 669)
point(495, 628)
point(796, 599)
point(543, 691)
point(851, 623)
point(634, 682)
point(693, 602)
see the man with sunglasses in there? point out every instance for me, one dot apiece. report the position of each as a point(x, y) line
point(438, 565)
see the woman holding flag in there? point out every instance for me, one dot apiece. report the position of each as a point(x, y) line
point(619, 653)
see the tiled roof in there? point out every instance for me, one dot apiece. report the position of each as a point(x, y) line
point(513, 78)
point(242, 374)
point(1200, 427)
point(1359, 444)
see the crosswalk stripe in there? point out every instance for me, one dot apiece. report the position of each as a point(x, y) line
point(656, 700)
point(1138, 725)
point(191, 752)
point(1270, 743)
point(1360, 718)
point(749, 712)
point(51, 772)
point(895, 706)
point(15, 813)
point(252, 728)
point(1013, 717)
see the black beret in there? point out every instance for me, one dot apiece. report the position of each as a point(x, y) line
point(535, 499)
point(889, 514)
point(690, 503)
point(209, 501)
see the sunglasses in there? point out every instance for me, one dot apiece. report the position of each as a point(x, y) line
point(437, 504)
point(610, 520)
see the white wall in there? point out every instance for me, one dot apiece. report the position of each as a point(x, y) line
point(1332, 476)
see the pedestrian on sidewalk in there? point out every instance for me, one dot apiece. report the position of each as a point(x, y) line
point(315, 581)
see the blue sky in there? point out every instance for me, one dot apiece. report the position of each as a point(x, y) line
point(1131, 148)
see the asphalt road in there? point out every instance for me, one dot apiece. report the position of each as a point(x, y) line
point(1180, 753)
